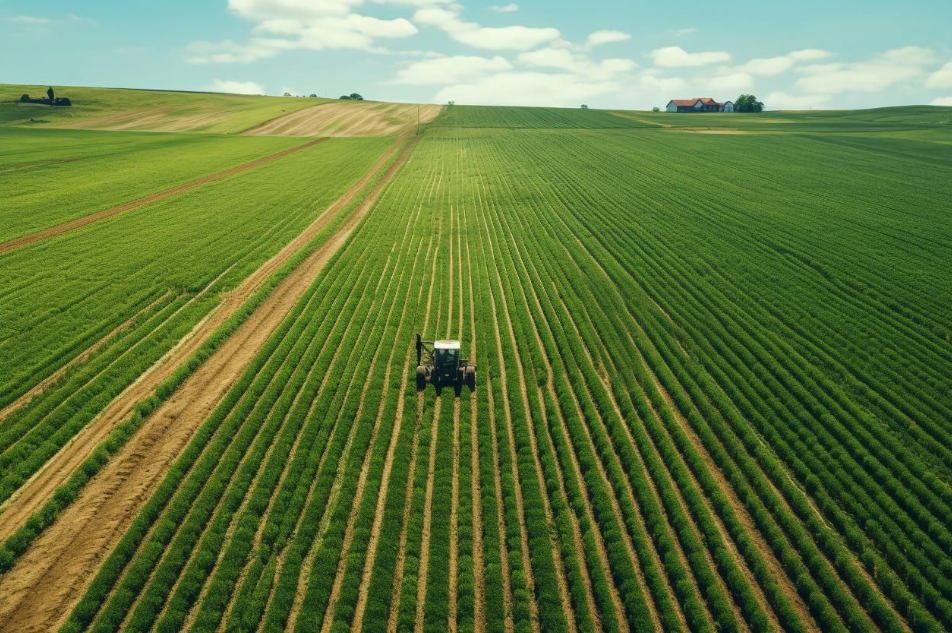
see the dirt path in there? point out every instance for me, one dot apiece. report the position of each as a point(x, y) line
point(24, 240)
point(62, 561)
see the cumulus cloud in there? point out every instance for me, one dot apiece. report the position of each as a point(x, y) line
point(731, 82)
point(557, 75)
point(519, 38)
point(771, 66)
point(942, 101)
point(449, 70)
point(236, 87)
point(677, 57)
point(941, 78)
point(784, 101)
point(882, 71)
point(606, 37)
point(282, 25)
point(505, 8)
point(528, 88)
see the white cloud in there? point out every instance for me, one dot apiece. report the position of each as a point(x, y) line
point(282, 25)
point(677, 57)
point(662, 87)
point(506, 8)
point(449, 70)
point(528, 89)
point(809, 54)
point(941, 78)
point(683, 32)
point(236, 87)
point(731, 82)
point(577, 63)
point(880, 72)
point(942, 101)
point(784, 101)
point(29, 19)
point(606, 37)
point(913, 55)
point(518, 38)
point(770, 66)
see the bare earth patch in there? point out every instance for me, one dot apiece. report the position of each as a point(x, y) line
point(348, 118)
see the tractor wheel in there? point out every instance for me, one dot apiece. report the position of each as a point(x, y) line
point(471, 378)
point(420, 378)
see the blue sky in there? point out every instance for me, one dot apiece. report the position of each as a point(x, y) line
point(606, 53)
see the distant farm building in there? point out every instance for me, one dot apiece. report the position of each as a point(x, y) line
point(699, 104)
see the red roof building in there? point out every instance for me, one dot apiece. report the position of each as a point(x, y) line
point(699, 104)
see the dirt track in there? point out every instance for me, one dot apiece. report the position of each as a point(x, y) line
point(48, 580)
point(134, 204)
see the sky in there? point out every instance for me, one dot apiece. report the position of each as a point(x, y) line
point(629, 54)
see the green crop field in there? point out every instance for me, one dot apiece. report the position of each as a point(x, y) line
point(714, 384)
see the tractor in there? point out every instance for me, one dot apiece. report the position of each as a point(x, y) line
point(439, 362)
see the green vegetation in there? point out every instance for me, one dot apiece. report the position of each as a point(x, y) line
point(41, 164)
point(712, 394)
point(131, 286)
point(530, 118)
point(106, 108)
point(710, 398)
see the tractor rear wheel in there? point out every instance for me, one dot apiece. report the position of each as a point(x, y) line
point(471, 377)
point(420, 378)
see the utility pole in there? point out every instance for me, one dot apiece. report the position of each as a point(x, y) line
point(418, 120)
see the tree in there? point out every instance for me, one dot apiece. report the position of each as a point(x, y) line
point(287, 94)
point(584, 107)
point(748, 103)
point(656, 109)
point(356, 97)
point(313, 96)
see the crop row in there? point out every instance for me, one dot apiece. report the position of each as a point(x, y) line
point(138, 307)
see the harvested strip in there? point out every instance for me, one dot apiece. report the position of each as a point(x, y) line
point(58, 566)
point(134, 204)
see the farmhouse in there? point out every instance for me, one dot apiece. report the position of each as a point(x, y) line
point(699, 104)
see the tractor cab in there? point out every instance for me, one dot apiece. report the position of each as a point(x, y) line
point(446, 357)
point(440, 362)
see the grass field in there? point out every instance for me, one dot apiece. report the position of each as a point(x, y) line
point(714, 386)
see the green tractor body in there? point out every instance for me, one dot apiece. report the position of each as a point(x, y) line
point(440, 363)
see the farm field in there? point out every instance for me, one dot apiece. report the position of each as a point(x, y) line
point(152, 110)
point(712, 395)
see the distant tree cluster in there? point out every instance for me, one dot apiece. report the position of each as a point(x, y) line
point(748, 103)
point(585, 106)
point(656, 109)
point(354, 96)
